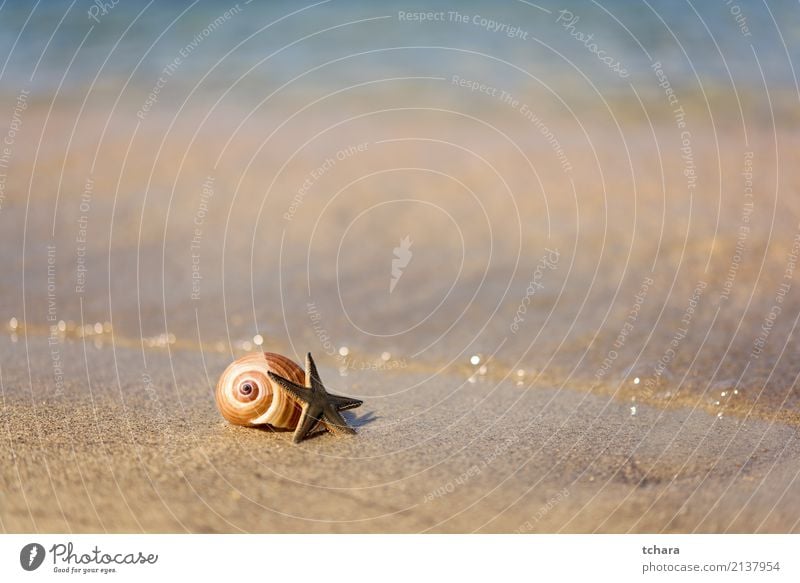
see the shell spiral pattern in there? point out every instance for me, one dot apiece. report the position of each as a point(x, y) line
point(246, 395)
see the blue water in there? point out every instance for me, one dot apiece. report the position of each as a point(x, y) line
point(698, 42)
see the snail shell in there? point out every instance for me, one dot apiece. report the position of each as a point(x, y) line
point(247, 396)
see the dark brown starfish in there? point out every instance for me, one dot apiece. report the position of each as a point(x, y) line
point(319, 406)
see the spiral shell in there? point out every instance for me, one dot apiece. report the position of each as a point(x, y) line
point(247, 396)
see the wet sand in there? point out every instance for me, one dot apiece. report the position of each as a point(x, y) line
point(118, 454)
point(699, 435)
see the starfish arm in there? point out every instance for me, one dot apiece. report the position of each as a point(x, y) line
point(295, 391)
point(344, 403)
point(307, 423)
point(312, 376)
point(335, 423)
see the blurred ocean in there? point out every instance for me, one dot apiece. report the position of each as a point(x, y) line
point(704, 46)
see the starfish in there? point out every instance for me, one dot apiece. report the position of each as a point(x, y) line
point(319, 406)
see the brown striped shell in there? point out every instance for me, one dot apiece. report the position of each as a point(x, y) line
point(247, 396)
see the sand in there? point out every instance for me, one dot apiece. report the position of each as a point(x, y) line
point(127, 455)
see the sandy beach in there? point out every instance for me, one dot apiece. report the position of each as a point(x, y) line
point(567, 297)
point(442, 455)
